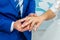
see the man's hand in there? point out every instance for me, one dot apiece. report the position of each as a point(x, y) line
point(18, 25)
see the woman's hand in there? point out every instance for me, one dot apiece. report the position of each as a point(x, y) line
point(34, 22)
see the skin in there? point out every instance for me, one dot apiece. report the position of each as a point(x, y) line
point(32, 21)
point(36, 21)
point(18, 26)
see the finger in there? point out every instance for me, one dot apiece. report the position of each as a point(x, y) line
point(36, 26)
point(32, 15)
point(18, 27)
point(26, 28)
point(32, 25)
point(27, 23)
point(22, 20)
point(35, 14)
point(24, 23)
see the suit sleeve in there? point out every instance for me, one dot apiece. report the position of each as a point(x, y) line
point(31, 6)
point(5, 25)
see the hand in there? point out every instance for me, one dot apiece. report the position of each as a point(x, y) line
point(18, 25)
point(26, 21)
point(34, 21)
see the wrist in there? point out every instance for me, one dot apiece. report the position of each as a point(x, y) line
point(44, 17)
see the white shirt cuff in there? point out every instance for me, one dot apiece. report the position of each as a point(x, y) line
point(12, 27)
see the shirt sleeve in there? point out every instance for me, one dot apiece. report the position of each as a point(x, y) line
point(12, 27)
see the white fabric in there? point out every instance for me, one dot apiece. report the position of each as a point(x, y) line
point(53, 31)
point(12, 27)
point(55, 7)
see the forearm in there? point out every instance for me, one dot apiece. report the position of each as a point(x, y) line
point(51, 13)
point(48, 15)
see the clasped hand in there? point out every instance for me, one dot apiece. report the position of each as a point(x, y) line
point(31, 22)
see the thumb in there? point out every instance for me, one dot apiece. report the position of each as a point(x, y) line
point(22, 20)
